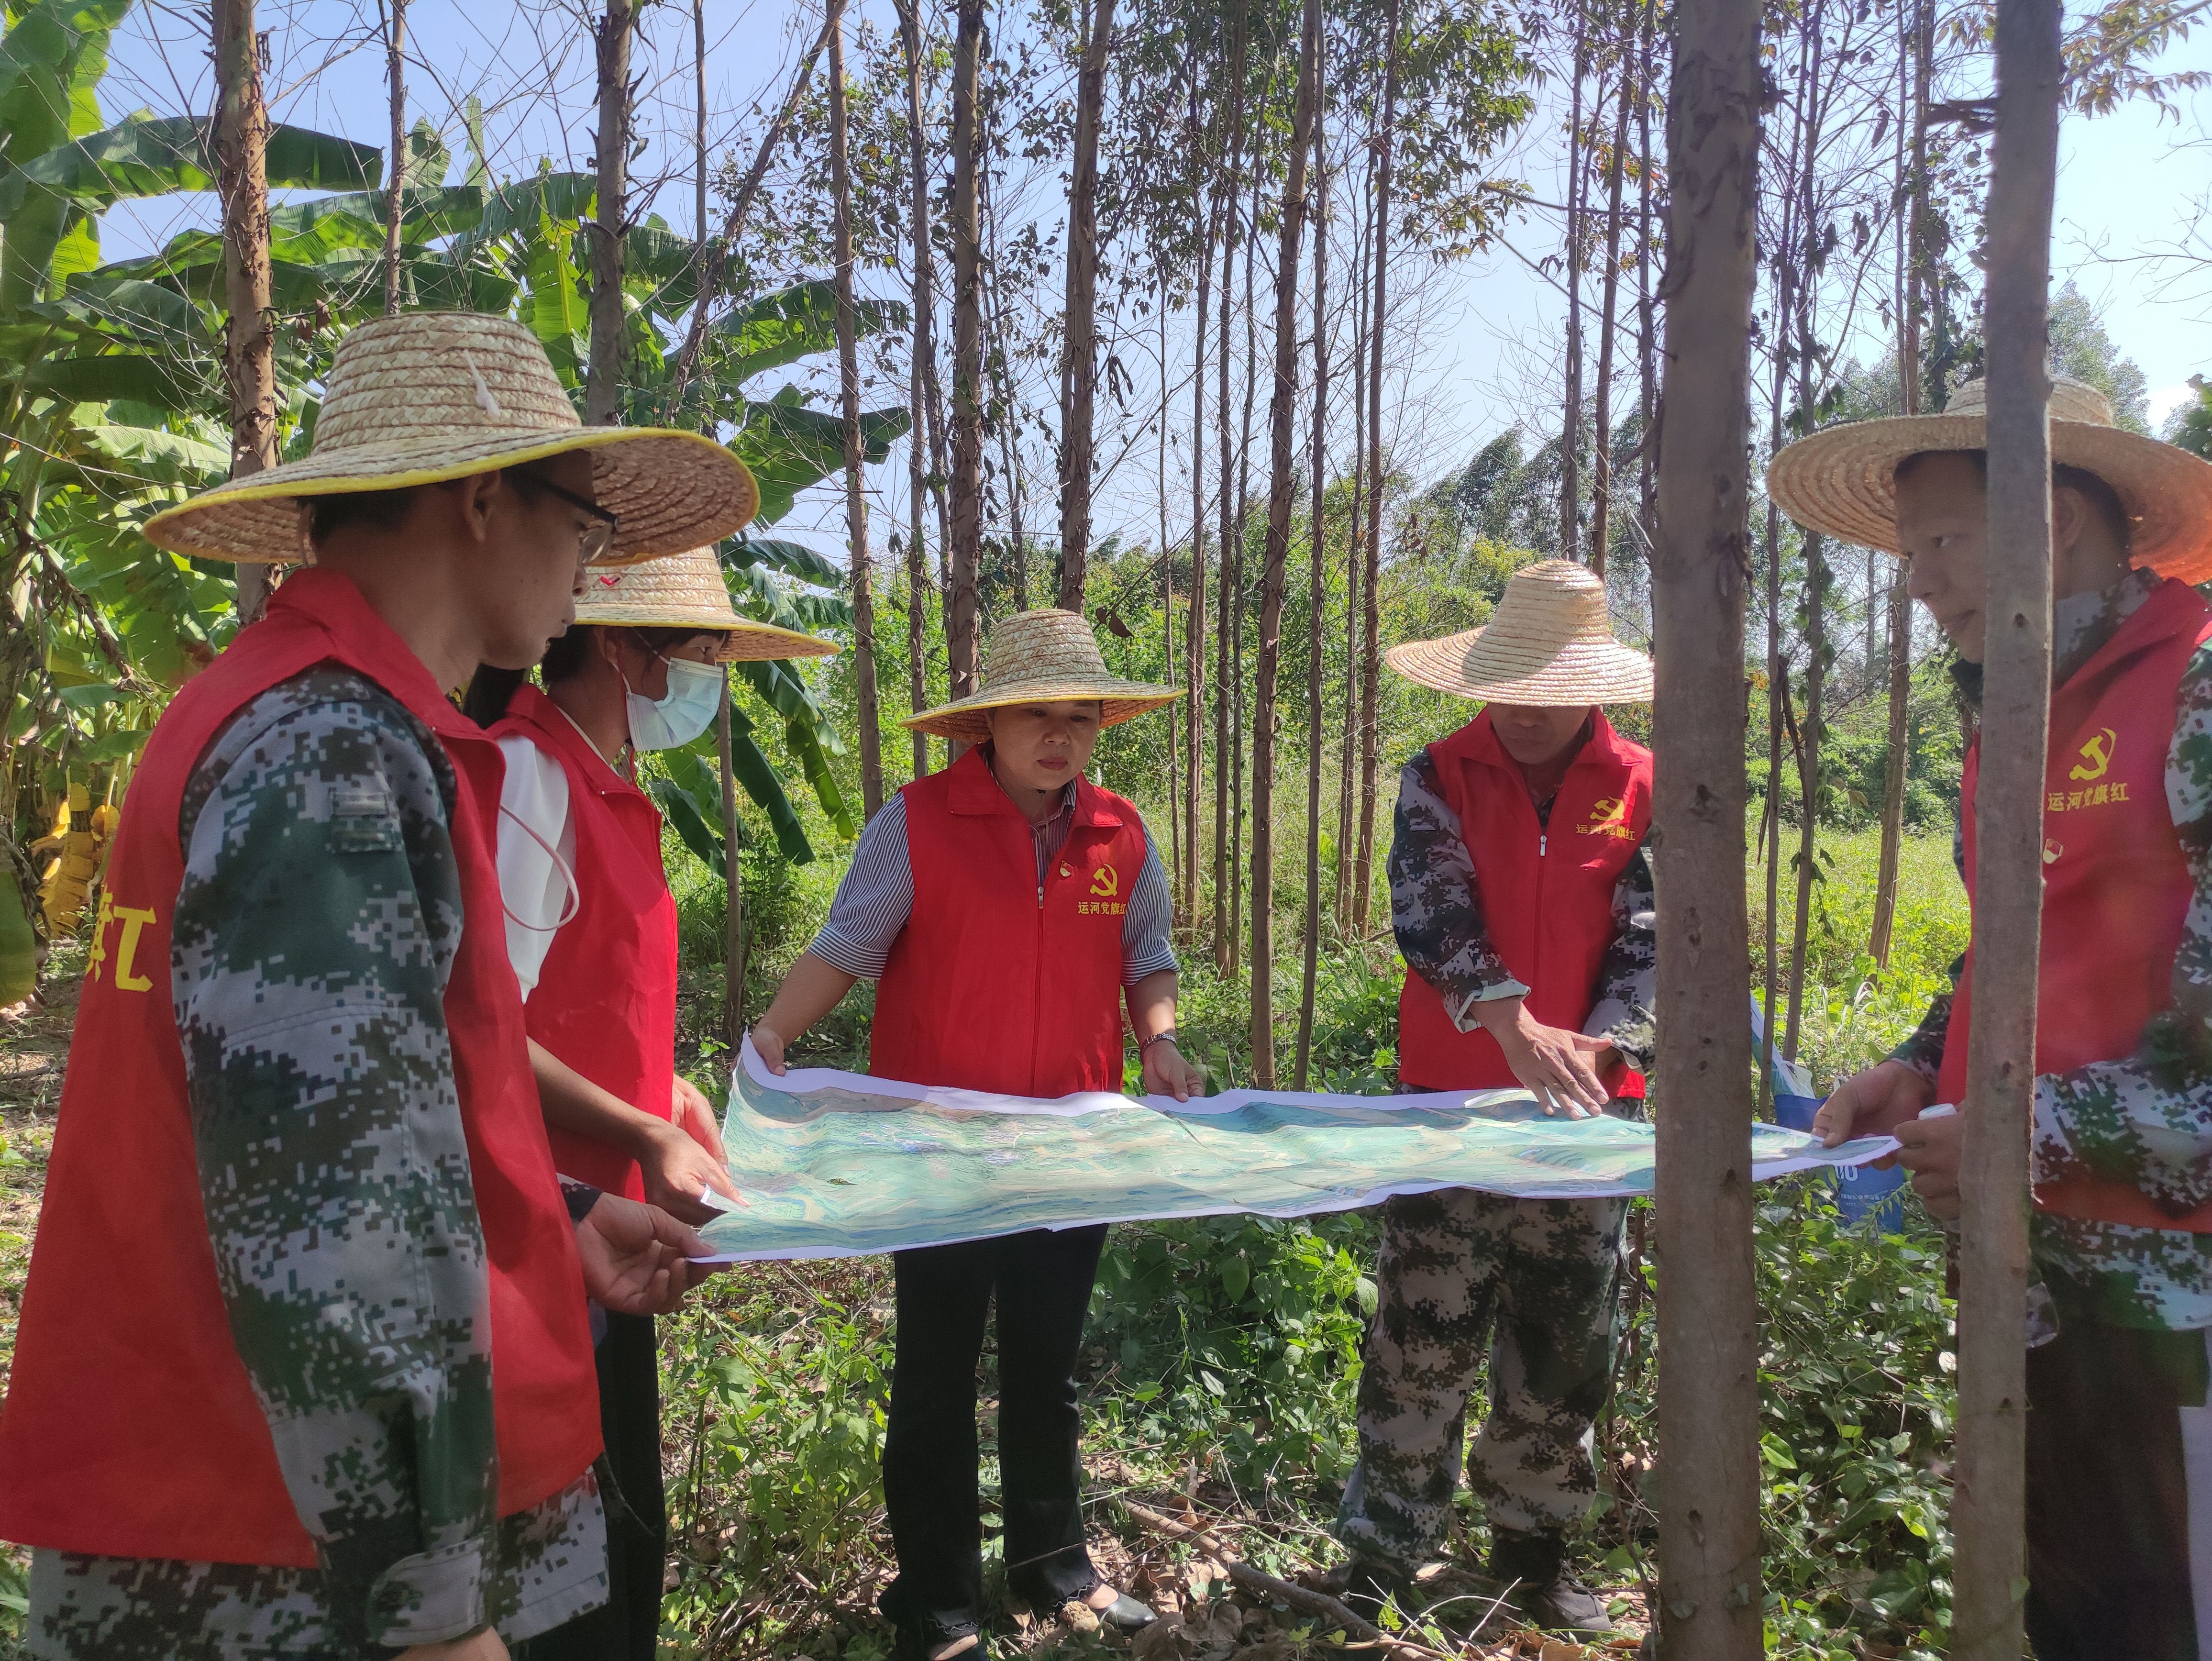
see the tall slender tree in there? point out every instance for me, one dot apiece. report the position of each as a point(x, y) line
point(1194, 623)
point(1371, 655)
point(1989, 1504)
point(1355, 542)
point(848, 368)
point(249, 346)
point(1282, 491)
point(1226, 687)
point(1710, 1602)
point(603, 378)
point(925, 437)
point(1601, 417)
point(1571, 430)
point(1316, 565)
point(964, 554)
point(395, 71)
point(1078, 380)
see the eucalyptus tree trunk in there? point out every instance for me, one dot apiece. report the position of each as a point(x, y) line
point(1167, 621)
point(733, 916)
point(1370, 653)
point(603, 378)
point(1916, 29)
point(1193, 710)
point(1647, 451)
point(1602, 431)
point(1225, 687)
point(1316, 570)
point(1355, 541)
point(1571, 427)
point(395, 71)
point(925, 435)
point(848, 366)
point(967, 494)
point(1282, 490)
point(1710, 1600)
point(1987, 1507)
point(716, 261)
point(1079, 378)
point(1233, 570)
point(249, 345)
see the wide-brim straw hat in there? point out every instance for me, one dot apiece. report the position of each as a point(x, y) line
point(1844, 481)
point(1548, 643)
point(429, 396)
point(688, 591)
point(1042, 657)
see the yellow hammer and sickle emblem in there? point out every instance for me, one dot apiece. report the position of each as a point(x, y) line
point(2096, 756)
point(1608, 810)
point(1104, 883)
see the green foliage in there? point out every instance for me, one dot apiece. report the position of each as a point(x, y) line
point(2190, 424)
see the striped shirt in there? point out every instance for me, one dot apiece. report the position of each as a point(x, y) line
point(876, 898)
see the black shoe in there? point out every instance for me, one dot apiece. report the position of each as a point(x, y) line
point(1125, 1614)
point(1365, 1585)
point(1533, 1567)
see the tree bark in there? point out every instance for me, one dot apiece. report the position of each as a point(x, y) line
point(967, 494)
point(925, 441)
point(1602, 432)
point(1079, 368)
point(1810, 734)
point(848, 366)
point(716, 263)
point(733, 917)
point(1225, 686)
point(603, 378)
point(1987, 1505)
point(1316, 570)
point(249, 351)
point(1282, 490)
point(395, 69)
point(1913, 42)
point(1355, 541)
point(1193, 710)
point(1647, 450)
point(1370, 653)
point(1709, 1597)
point(1570, 426)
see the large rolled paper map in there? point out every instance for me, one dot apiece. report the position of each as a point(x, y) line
point(836, 1164)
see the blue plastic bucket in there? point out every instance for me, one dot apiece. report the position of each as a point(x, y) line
point(1860, 1191)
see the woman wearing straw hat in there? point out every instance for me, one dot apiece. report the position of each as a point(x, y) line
point(302, 1366)
point(2120, 1464)
point(591, 930)
point(1527, 965)
point(1006, 907)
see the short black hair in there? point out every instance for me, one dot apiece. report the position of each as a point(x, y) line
point(491, 690)
point(2092, 487)
point(382, 510)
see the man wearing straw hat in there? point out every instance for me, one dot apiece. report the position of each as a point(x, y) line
point(1007, 908)
point(1527, 964)
point(303, 1367)
point(591, 930)
point(2119, 1454)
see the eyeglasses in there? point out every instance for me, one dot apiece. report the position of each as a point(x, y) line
point(598, 540)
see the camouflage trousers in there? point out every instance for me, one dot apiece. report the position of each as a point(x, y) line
point(1530, 1285)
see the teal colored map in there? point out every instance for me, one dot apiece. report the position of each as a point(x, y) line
point(834, 1165)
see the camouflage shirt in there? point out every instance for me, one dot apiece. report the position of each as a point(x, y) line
point(1436, 910)
point(2146, 1120)
point(316, 926)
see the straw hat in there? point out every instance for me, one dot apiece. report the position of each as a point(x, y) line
point(1041, 657)
point(429, 396)
point(1547, 644)
point(1844, 481)
point(688, 591)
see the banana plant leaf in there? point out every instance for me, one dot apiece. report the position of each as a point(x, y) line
point(95, 379)
point(781, 328)
point(789, 447)
point(808, 734)
point(772, 602)
point(155, 155)
point(691, 795)
point(791, 558)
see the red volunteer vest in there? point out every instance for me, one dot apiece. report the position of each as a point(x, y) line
point(605, 1001)
point(130, 1428)
point(2116, 889)
point(1548, 914)
point(998, 983)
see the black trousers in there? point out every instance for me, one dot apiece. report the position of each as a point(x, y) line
point(1042, 1279)
point(627, 1626)
point(2119, 1491)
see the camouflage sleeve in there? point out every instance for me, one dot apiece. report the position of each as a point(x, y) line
point(2147, 1120)
point(316, 926)
point(1628, 977)
point(1435, 908)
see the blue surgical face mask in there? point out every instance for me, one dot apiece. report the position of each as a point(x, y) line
point(693, 698)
